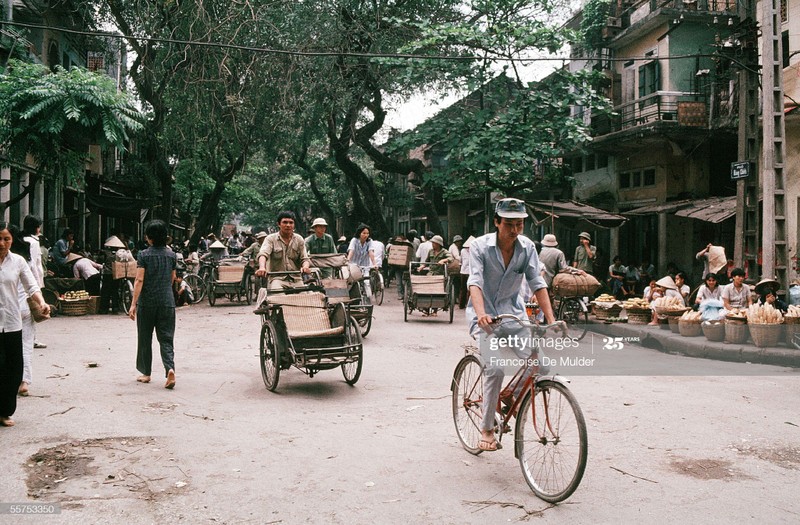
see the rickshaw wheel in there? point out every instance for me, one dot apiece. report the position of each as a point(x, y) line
point(248, 289)
point(405, 303)
point(451, 299)
point(269, 354)
point(366, 324)
point(352, 371)
point(212, 294)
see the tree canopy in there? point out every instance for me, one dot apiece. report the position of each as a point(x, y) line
point(47, 119)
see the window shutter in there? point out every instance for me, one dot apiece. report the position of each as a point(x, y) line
point(642, 81)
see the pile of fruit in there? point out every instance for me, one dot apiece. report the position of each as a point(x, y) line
point(764, 314)
point(79, 295)
point(669, 303)
point(692, 317)
point(636, 304)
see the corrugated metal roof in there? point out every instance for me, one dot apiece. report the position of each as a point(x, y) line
point(715, 209)
point(578, 210)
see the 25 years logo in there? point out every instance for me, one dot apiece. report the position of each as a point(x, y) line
point(613, 343)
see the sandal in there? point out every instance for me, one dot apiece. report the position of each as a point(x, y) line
point(489, 446)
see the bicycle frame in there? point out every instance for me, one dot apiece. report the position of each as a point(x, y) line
point(529, 382)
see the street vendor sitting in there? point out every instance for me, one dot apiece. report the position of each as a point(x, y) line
point(765, 289)
point(736, 294)
point(438, 257)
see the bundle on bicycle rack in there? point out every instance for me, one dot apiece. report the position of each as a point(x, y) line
point(570, 284)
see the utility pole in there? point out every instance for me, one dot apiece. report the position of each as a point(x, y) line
point(774, 263)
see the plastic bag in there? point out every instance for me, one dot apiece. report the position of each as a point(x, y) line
point(712, 309)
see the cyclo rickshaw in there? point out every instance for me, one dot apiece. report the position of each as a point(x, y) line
point(344, 282)
point(229, 278)
point(301, 327)
point(428, 293)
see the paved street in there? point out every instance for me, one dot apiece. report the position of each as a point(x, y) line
point(716, 446)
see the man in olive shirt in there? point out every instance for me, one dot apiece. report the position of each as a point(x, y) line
point(284, 251)
point(320, 242)
point(438, 257)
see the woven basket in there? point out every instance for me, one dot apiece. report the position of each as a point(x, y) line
point(791, 328)
point(764, 335)
point(604, 313)
point(639, 316)
point(689, 328)
point(673, 323)
point(713, 330)
point(670, 312)
point(735, 331)
point(80, 307)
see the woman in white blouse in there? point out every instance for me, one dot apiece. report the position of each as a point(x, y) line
point(14, 271)
point(710, 289)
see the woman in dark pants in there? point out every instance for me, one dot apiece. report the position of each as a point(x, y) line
point(153, 304)
point(14, 272)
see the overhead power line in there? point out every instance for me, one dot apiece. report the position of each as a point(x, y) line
point(403, 56)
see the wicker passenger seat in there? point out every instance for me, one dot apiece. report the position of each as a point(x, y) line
point(305, 314)
point(428, 284)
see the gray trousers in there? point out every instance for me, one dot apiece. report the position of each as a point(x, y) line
point(162, 320)
point(494, 371)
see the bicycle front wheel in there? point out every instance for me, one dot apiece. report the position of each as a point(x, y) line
point(572, 311)
point(467, 391)
point(550, 441)
point(377, 288)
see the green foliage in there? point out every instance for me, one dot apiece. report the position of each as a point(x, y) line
point(594, 17)
point(513, 138)
point(53, 117)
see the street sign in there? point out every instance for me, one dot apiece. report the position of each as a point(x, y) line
point(740, 170)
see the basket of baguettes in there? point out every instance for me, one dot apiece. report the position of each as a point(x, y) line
point(670, 306)
point(638, 310)
point(689, 324)
point(605, 306)
point(791, 323)
point(766, 325)
point(736, 325)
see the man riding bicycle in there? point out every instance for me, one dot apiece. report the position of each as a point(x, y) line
point(498, 263)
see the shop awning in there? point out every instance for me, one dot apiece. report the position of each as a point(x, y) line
point(713, 210)
point(127, 208)
point(576, 211)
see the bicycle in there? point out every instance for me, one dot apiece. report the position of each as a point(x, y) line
point(125, 294)
point(575, 312)
point(550, 431)
point(198, 282)
point(376, 284)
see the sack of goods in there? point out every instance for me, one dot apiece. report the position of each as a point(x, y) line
point(568, 284)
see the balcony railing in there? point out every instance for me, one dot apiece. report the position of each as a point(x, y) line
point(680, 108)
point(640, 10)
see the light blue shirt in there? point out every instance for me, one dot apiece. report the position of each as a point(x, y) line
point(501, 284)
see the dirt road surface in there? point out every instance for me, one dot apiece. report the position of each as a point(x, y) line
point(220, 448)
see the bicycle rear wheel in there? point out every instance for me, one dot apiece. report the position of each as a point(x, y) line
point(572, 311)
point(550, 441)
point(126, 295)
point(198, 286)
point(467, 388)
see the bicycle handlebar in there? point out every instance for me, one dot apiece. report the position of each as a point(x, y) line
point(528, 324)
